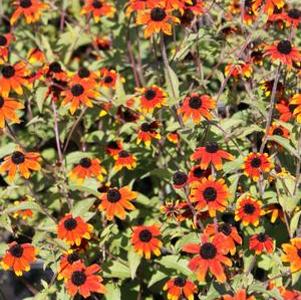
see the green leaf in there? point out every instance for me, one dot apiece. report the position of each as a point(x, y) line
point(40, 97)
point(118, 270)
point(120, 93)
point(134, 260)
point(23, 206)
point(295, 222)
point(285, 143)
point(175, 263)
point(172, 83)
point(113, 292)
point(7, 149)
point(82, 206)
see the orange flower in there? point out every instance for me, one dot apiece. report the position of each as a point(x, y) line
point(248, 210)
point(157, 19)
point(284, 52)
point(285, 110)
point(173, 137)
point(79, 93)
point(19, 257)
point(8, 107)
point(124, 160)
point(114, 147)
point(115, 202)
point(98, 8)
point(197, 173)
point(180, 288)
point(22, 162)
point(279, 130)
point(241, 69)
point(31, 9)
point(293, 17)
point(250, 13)
point(108, 78)
point(292, 254)
point(145, 241)
point(136, 5)
point(210, 256)
point(180, 179)
point(66, 261)
point(83, 281)
point(239, 295)
point(84, 74)
point(195, 6)
point(256, 164)
point(54, 71)
point(197, 106)
point(211, 154)
point(261, 242)
point(87, 168)
point(268, 85)
point(5, 40)
point(151, 98)
point(227, 233)
point(73, 230)
point(268, 5)
point(23, 213)
point(275, 210)
point(147, 133)
point(35, 55)
point(210, 194)
point(13, 78)
point(295, 104)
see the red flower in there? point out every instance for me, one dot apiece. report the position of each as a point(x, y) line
point(261, 242)
point(151, 97)
point(180, 288)
point(124, 160)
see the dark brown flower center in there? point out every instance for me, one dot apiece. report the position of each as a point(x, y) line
point(299, 252)
point(113, 145)
point(1, 102)
point(292, 107)
point(278, 131)
point(248, 3)
point(78, 278)
point(157, 14)
point(25, 3)
point(225, 229)
point(195, 102)
point(55, 67)
point(150, 94)
point(208, 251)
point(210, 194)
point(16, 250)
point(113, 195)
point(180, 281)
point(85, 162)
point(97, 4)
point(179, 178)
point(123, 154)
point(70, 224)
point(198, 172)
point(211, 147)
point(249, 209)
point(256, 162)
point(8, 71)
point(73, 257)
point(145, 127)
point(262, 237)
point(83, 72)
point(18, 157)
point(108, 79)
point(284, 47)
point(3, 40)
point(145, 236)
point(77, 90)
point(294, 13)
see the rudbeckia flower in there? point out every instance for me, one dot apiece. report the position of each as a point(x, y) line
point(172, 210)
point(98, 8)
point(114, 147)
point(87, 168)
point(279, 130)
point(261, 243)
point(268, 5)
point(209, 256)
point(66, 261)
point(211, 154)
point(83, 281)
point(267, 87)
point(295, 105)
point(19, 257)
point(84, 74)
point(145, 240)
point(147, 133)
point(197, 173)
point(180, 288)
point(21, 162)
point(197, 107)
point(108, 78)
point(151, 97)
point(136, 5)
point(73, 230)
point(248, 210)
point(180, 179)
point(256, 164)
point(275, 210)
point(8, 108)
point(22, 213)
point(173, 137)
point(292, 254)
point(115, 202)
point(210, 194)
point(13, 77)
point(293, 17)
point(79, 93)
point(278, 16)
point(241, 69)
point(239, 295)
point(30, 9)
point(284, 52)
point(195, 6)
point(250, 13)
point(156, 20)
point(227, 233)
point(103, 43)
point(35, 55)
point(285, 110)
point(5, 40)
point(54, 71)
point(124, 159)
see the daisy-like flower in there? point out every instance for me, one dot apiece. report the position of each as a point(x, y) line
point(173, 137)
point(295, 105)
point(180, 179)
point(279, 130)
point(267, 87)
point(261, 243)
point(275, 210)
point(137, 5)
point(227, 233)
point(151, 97)
point(66, 261)
point(19, 257)
point(250, 13)
point(87, 168)
point(73, 230)
point(197, 173)
point(54, 71)
point(211, 154)
point(145, 240)
point(82, 280)
point(284, 52)
point(197, 107)
point(248, 210)
point(84, 74)
point(21, 162)
point(114, 147)
point(209, 256)
point(30, 9)
point(13, 77)
point(124, 159)
point(172, 210)
point(115, 202)
point(239, 295)
point(22, 213)
point(5, 40)
point(79, 93)
point(195, 6)
point(210, 194)
point(108, 78)
point(268, 5)
point(99, 9)
point(147, 133)
point(239, 70)
point(36, 56)
point(180, 288)
point(293, 17)
point(257, 164)
point(103, 43)
point(277, 17)
point(157, 19)
point(285, 110)
point(8, 108)
point(292, 254)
